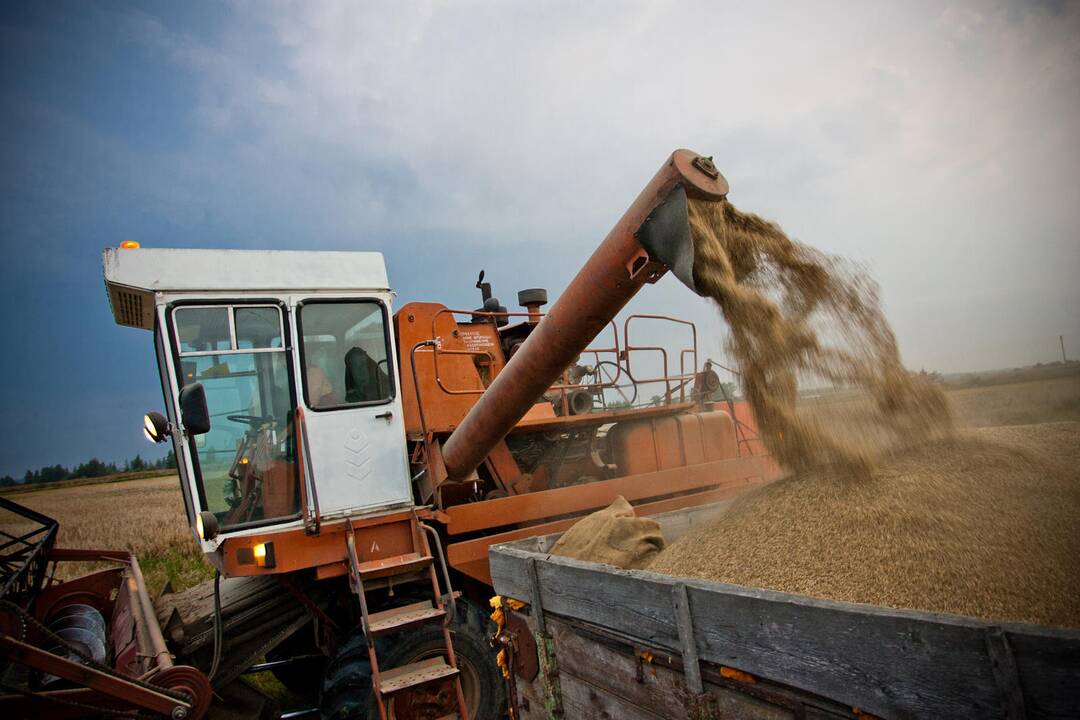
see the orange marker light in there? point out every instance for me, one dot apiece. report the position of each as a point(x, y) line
point(130, 245)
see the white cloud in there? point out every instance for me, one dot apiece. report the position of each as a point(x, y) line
point(937, 145)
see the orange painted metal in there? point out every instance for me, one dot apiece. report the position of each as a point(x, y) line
point(746, 429)
point(416, 322)
point(377, 538)
point(539, 413)
point(643, 446)
point(612, 275)
point(471, 556)
point(488, 514)
point(504, 469)
point(530, 424)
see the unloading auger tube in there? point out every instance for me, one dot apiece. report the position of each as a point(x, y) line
point(653, 236)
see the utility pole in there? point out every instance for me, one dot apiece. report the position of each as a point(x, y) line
point(1061, 339)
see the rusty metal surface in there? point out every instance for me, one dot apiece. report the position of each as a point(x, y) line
point(538, 424)
point(136, 694)
point(149, 625)
point(496, 512)
point(610, 277)
point(685, 372)
point(95, 590)
point(471, 556)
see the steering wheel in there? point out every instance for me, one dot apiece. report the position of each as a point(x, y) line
point(252, 420)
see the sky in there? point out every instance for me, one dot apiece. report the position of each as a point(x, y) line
point(936, 144)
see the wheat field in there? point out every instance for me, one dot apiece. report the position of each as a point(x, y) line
point(147, 516)
point(144, 516)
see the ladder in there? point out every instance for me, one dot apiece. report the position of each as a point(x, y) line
point(386, 683)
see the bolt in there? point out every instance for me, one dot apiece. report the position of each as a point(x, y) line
point(705, 165)
point(179, 713)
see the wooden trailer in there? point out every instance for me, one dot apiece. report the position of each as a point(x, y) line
point(593, 641)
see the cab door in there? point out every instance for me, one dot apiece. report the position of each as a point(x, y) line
point(355, 433)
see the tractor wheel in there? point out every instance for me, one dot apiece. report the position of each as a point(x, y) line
point(347, 691)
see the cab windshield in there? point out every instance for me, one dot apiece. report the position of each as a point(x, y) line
point(245, 465)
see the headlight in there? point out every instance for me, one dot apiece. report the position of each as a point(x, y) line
point(206, 524)
point(155, 427)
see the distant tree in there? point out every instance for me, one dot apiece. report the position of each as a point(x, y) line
point(53, 473)
point(93, 468)
point(7, 481)
point(136, 463)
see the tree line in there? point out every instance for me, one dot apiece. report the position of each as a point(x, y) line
point(92, 468)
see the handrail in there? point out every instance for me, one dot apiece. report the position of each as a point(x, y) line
point(307, 473)
point(616, 351)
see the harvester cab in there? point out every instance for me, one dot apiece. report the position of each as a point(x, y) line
point(244, 339)
point(333, 453)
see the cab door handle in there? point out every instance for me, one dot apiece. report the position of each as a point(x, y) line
point(385, 416)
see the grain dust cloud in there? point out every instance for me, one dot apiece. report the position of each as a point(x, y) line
point(793, 314)
point(885, 501)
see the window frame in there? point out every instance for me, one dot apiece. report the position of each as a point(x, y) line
point(387, 341)
point(178, 372)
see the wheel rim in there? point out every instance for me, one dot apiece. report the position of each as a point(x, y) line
point(437, 699)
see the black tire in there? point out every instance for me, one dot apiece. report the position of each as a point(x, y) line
point(347, 692)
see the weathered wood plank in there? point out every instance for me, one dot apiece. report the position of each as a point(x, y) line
point(588, 702)
point(619, 674)
point(614, 670)
point(1007, 677)
point(892, 663)
point(1049, 668)
point(687, 639)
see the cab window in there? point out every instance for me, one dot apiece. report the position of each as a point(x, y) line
point(245, 465)
point(346, 354)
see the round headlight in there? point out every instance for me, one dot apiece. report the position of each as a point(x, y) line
point(206, 524)
point(155, 427)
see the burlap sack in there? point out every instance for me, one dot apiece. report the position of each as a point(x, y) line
point(614, 536)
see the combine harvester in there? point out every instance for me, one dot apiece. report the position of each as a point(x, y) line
point(346, 467)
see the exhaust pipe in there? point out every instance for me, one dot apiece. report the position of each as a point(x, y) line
point(652, 237)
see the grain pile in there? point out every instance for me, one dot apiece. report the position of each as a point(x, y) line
point(797, 315)
point(986, 523)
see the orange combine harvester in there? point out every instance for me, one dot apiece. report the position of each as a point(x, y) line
point(345, 467)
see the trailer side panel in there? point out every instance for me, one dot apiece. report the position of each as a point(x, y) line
point(892, 663)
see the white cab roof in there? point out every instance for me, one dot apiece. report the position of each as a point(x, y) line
point(160, 269)
point(132, 275)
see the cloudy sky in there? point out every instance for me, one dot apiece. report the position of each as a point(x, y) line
point(936, 143)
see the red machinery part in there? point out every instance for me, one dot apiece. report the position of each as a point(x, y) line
point(614, 273)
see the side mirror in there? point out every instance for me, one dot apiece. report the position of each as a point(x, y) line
point(193, 411)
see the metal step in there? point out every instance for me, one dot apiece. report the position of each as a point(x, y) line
point(394, 565)
point(399, 618)
point(419, 673)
